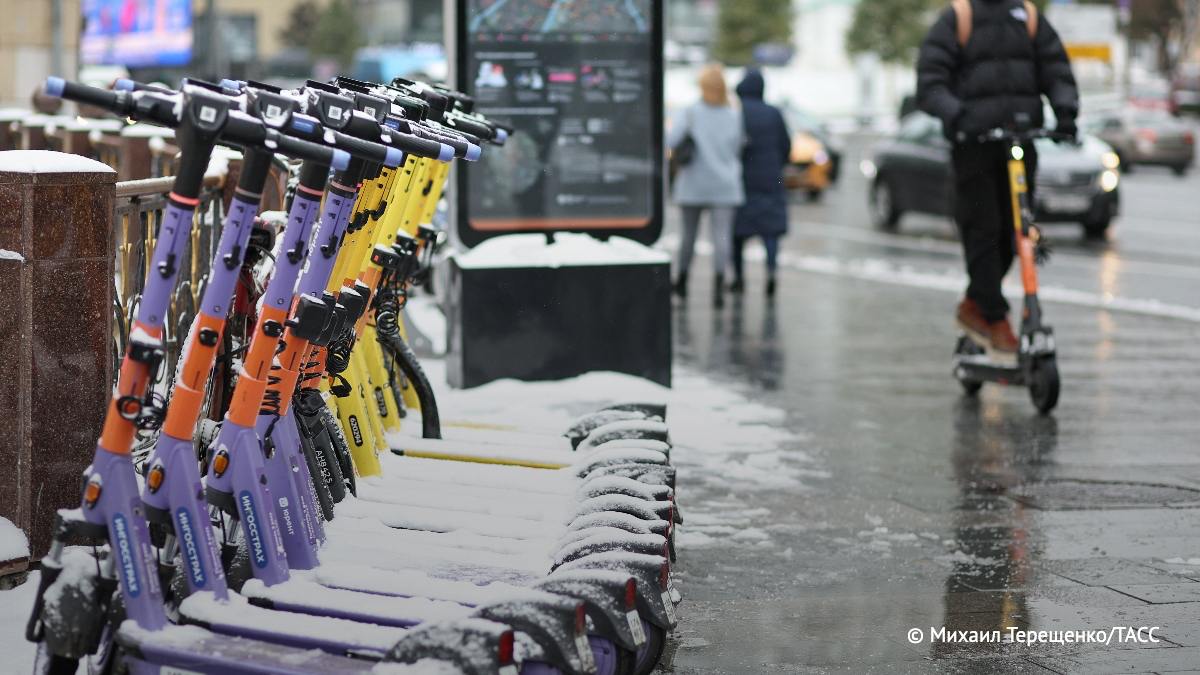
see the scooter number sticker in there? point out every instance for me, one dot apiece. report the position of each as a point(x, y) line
point(635, 627)
point(508, 670)
point(585, 652)
point(668, 606)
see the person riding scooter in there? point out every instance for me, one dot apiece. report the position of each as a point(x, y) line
point(986, 64)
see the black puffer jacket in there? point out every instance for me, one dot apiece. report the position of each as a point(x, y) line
point(999, 77)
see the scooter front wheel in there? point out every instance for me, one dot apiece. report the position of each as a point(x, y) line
point(1044, 384)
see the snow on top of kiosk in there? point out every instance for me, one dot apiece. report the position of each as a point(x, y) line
point(568, 249)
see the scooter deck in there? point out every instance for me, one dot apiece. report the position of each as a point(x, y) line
point(512, 478)
point(483, 453)
point(237, 617)
point(981, 368)
point(434, 520)
point(309, 597)
point(191, 649)
point(465, 432)
point(409, 583)
point(464, 501)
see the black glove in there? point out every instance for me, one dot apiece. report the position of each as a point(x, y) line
point(950, 129)
point(1066, 131)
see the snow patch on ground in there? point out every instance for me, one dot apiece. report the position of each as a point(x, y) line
point(13, 542)
point(6, 254)
point(14, 612)
point(424, 313)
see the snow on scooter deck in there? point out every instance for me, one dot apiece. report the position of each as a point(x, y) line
point(191, 649)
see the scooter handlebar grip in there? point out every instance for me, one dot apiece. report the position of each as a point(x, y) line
point(298, 149)
point(470, 126)
point(82, 93)
point(55, 86)
point(422, 147)
point(473, 152)
point(124, 84)
point(367, 150)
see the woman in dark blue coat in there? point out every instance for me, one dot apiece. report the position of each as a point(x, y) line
point(768, 144)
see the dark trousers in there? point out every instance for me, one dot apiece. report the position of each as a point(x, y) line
point(983, 211)
point(770, 242)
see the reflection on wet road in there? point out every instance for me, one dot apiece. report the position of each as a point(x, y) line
point(923, 508)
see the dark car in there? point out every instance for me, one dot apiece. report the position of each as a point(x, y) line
point(911, 171)
point(1146, 137)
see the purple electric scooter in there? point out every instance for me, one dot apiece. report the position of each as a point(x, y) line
point(111, 508)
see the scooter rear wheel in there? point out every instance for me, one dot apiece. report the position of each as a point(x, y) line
point(46, 663)
point(1044, 384)
point(648, 656)
point(971, 387)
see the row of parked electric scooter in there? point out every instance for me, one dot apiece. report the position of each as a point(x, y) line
point(308, 533)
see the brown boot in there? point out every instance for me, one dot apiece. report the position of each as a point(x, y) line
point(970, 320)
point(1002, 341)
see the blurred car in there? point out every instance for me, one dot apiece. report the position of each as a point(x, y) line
point(1185, 90)
point(809, 166)
point(800, 121)
point(911, 171)
point(1146, 137)
point(1151, 96)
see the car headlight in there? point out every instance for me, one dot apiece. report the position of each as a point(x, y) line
point(1110, 160)
point(868, 168)
point(1109, 180)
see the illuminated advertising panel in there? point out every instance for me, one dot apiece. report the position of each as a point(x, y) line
point(580, 81)
point(136, 33)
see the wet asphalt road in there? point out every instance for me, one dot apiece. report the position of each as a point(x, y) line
point(923, 508)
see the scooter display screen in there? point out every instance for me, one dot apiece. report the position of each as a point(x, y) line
point(580, 83)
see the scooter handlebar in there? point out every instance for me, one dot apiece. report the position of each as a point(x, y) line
point(82, 93)
point(423, 147)
point(473, 127)
point(242, 129)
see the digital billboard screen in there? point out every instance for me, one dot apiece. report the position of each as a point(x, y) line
point(136, 33)
point(580, 83)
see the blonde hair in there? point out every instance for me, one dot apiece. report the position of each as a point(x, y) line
point(712, 85)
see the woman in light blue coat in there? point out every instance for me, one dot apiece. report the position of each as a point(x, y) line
point(712, 180)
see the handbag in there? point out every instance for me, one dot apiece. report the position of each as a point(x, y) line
point(684, 151)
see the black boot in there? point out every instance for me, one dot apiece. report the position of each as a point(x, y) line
point(680, 285)
point(737, 286)
point(771, 287)
point(719, 291)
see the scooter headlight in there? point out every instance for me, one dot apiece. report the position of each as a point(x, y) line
point(1109, 180)
point(92, 490)
point(1018, 153)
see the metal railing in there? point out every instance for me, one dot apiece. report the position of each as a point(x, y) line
point(137, 216)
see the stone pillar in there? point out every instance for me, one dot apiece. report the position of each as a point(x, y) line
point(56, 278)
